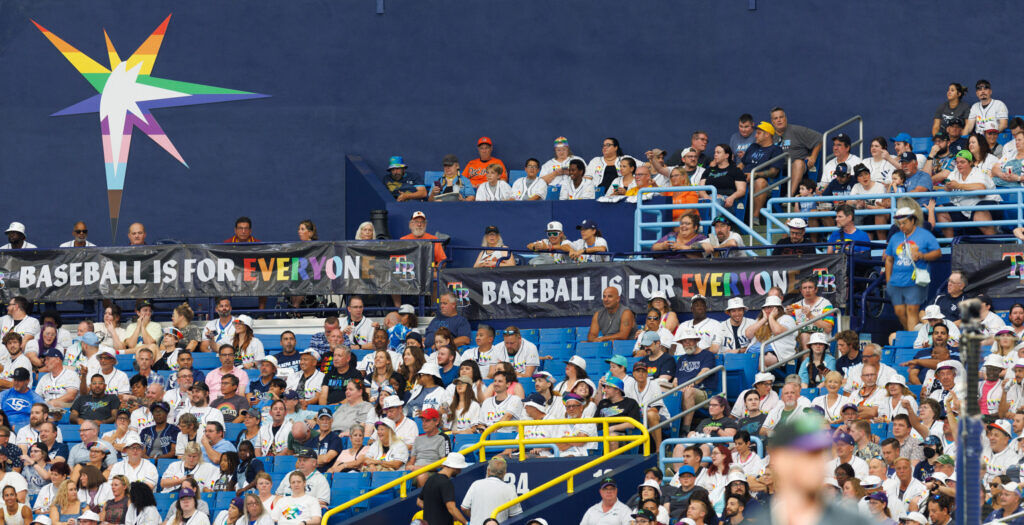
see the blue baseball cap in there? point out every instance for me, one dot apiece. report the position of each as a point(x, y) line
point(686, 469)
point(52, 352)
point(610, 380)
point(617, 360)
point(89, 338)
point(649, 338)
point(587, 223)
point(396, 161)
point(902, 137)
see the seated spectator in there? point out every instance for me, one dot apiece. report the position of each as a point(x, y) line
point(940, 157)
point(448, 317)
point(653, 325)
point(59, 385)
point(967, 177)
point(817, 365)
point(494, 188)
point(797, 231)
point(531, 187)
point(932, 318)
point(134, 466)
point(574, 185)
point(902, 143)
point(908, 251)
point(718, 424)
point(984, 158)
point(841, 149)
point(866, 185)
point(643, 180)
point(743, 138)
point(839, 186)
point(1009, 171)
point(625, 181)
point(589, 244)
point(402, 185)
point(878, 163)
point(614, 322)
point(555, 241)
point(429, 446)
point(144, 330)
point(957, 136)
point(558, 165)
point(772, 321)
point(475, 169)
point(677, 178)
point(451, 186)
point(492, 258)
point(19, 321)
point(16, 238)
point(96, 405)
point(790, 403)
point(728, 179)
point(686, 236)
point(79, 237)
point(604, 168)
point(987, 113)
point(723, 237)
point(802, 144)
point(574, 409)
point(761, 151)
point(848, 231)
point(691, 166)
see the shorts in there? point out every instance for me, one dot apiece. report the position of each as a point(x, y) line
point(967, 216)
point(913, 294)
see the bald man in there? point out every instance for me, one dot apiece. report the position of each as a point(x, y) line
point(614, 322)
point(136, 234)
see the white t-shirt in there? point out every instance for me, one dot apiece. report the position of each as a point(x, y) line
point(27, 435)
point(526, 356)
point(19, 362)
point(664, 336)
point(987, 117)
point(13, 479)
point(585, 190)
point(897, 505)
point(224, 335)
point(578, 429)
point(362, 331)
point(854, 381)
point(253, 352)
point(153, 328)
point(924, 339)
point(752, 466)
point(712, 241)
point(995, 464)
point(398, 451)
point(773, 417)
point(492, 410)
point(620, 514)
point(295, 511)
point(468, 420)
point(50, 387)
point(549, 166)
point(71, 244)
point(992, 323)
point(27, 326)
point(487, 494)
point(766, 405)
point(206, 414)
point(596, 166)
point(144, 472)
point(729, 337)
point(206, 474)
point(618, 181)
point(316, 485)
point(860, 467)
point(499, 192)
point(881, 170)
point(523, 189)
point(580, 244)
point(875, 189)
point(834, 411)
point(707, 329)
point(828, 174)
point(312, 386)
point(974, 177)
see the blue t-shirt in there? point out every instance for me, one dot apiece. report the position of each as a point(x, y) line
point(919, 180)
point(689, 365)
point(926, 353)
point(262, 390)
point(757, 155)
point(287, 362)
point(449, 376)
point(17, 405)
point(837, 189)
point(221, 446)
point(326, 444)
point(839, 237)
point(456, 323)
point(407, 183)
point(899, 249)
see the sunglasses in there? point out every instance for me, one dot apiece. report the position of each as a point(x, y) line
point(81, 231)
point(553, 234)
point(655, 318)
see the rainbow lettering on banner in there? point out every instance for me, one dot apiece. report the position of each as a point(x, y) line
point(730, 284)
point(300, 268)
point(1016, 264)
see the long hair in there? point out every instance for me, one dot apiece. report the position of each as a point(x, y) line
point(713, 469)
point(389, 368)
point(312, 228)
point(141, 496)
point(245, 510)
point(93, 475)
point(61, 499)
point(457, 398)
point(372, 229)
point(179, 515)
point(241, 342)
point(410, 373)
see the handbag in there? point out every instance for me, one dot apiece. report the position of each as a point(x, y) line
point(922, 277)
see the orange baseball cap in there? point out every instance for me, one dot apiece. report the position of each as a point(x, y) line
point(484, 140)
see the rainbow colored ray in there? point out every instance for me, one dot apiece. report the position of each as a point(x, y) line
point(127, 92)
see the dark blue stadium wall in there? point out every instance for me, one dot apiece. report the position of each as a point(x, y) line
point(427, 77)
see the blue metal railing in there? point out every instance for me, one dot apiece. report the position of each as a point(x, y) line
point(776, 220)
point(645, 212)
point(664, 459)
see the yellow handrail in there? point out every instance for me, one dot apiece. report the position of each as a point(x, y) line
point(643, 439)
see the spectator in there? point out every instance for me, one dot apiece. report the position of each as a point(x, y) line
point(814, 370)
point(705, 327)
point(609, 510)
point(16, 401)
point(728, 179)
point(698, 145)
point(917, 180)
point(418, 231)
point(802, 144)
point(79, 237)
point(555, 241)
point(603, 169)
point(557, 167)
point(615, 403)
point(136, 234)
point(319, 341)
point(686, 236)
point(839, 186)
point(743, 138)
point(492, 258)
point(522, 354)
point(97, 405)
point(731, 335)
point(494, 188)
point(1008, 504)
point(59, 386)
point(841, 149)
point(614, 322)
point(940, 158)
point(659, 364)
point(437, 499)
point(678, 178)
point(243, 231)
point(590, 243)
point(1009, 171)
point(227, 367)
point(667, 318)
point(476, 169)
point(625, 181)
point(761, 151)
point(724, 237)
point(577, 187)
point(159, 439)
point(134, 467)
point(902, 143)
point(16, 238)
point(489, 493)
point(984, 158)
point(693, 362)
point(402, 185)
point(797, 231)
point(952, 108)
point(690, 166)
point(531, 187)
point(868, 186)
point(878, 163)
point(451, 186)
point(229, 402)
point(144, 331)
point(967, 177)
point(957, 136)
point(906, 262)
point(219, 331)
point(430, 446)
point(810, 306)
point(987, 113)
point(502, 406)
point(19, 321)
point(848, 231)
point(448, 317)
point(301, 507)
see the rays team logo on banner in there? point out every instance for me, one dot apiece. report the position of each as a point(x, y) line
point(404, 268)
point(826, 280)
point(1016, 264)
point(127, 94)
point(460, 292)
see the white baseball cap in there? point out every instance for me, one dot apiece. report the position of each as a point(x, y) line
point(772, 300)
point(430, 369)
point(89, 515)
point(16, 227)
point(818, 338)
point(797, 222)
point(915, 517)
point(132, 440)
point(391, 402)
point(455, 460)
point(555, 226)
point(734, 303)
point(578, 361)
point(45, 520)
point(660, 294)
point(761, 377)
point(904, 212)
point(270, 359)
point(896, 379)
point(419, 215)
point(406, 309)
point(871, 481)
point(933, 311)
point(312, 352)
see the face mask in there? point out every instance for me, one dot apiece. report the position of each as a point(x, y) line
point(929, 452)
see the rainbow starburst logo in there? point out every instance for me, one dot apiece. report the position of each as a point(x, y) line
point(127, 92)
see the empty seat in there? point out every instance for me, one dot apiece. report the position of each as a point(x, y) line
point(593, 350)
point(355, 480)
point(557, 335)
point(904, 339)
point(284, 463)
point(532, 335)
point(582, 332)
point(624, 348)
point(205, 360)
point(126, 362)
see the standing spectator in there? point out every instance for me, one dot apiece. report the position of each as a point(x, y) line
point(79, 237)
point(494, 188)
point(136, 234)
point(577, 187)
point(492, 257)
point(589, 244)
point(531, 187)
point(803, 144)
point(404, 186)
point(987, 113)
point(613, 322)
point(952, 108)
point(609, 510)
point(841, 150)
point(761, 151)
point(437, 499)
point(743, 138)
point(556, 168)
point(19, 321)
point(909, 251)
point(16, 238)
point(797, 234)
point(448, 317)
point(451, 185)
point(487, 494)
point(475, 169)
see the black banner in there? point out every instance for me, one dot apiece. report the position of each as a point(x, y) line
point(563, 290)
point(995, 269)
point(207, 270)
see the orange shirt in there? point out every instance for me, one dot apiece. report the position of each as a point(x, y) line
point(476, 171)
point(438, 250)
point(234, 239)
point(683, 197)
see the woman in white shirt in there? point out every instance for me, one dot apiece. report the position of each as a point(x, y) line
point(531, 187)
point(621, 184)
point(235, 513)
point(265, 491)
point(590, 242)
point(255, 512)
point(983, 157)
point(299, 508)
point(464, 412)
point(110, 332)
point(967, 177)
point(878, 162)
point(192, 466)
point(388, 452)
point(867, 185)
point(715, 477)
point(492, 258)
point(602, 169)
point(555, 168)
point(896, 391)
point(833, 401)
point(248, 348)
point(142, 506)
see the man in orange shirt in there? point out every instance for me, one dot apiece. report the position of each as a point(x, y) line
point(476, 169)
point(243, 231)
point(418, 231)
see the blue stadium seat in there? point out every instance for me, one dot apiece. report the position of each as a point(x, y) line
point(531, 334)
point(557, 335)
point(126, 362)
point(303, 340)
point(430, 177)
point(902, 355)
point(65, 418)
point(624, 348)
point(284, 464)
point(514, 175)
point(232, 429)
point(463, 440)
point(558, 351)
point(163, 463)
point(904, 339)
point(527, 383)
point(916, 390)
point(882, 430)
point(921, 145)
point(254, 374)
point(275, 476)
point(107, 427)
point(582, 332)
point(594, 350)
point(341, 495)
point(205, 360)
point(164, 501)
point(70, 433)
point(381, 478)
point(809, 393)
point(352, 480)
point(554, 192)
point(223, 498)
point(210, 498)
point(888, 355)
